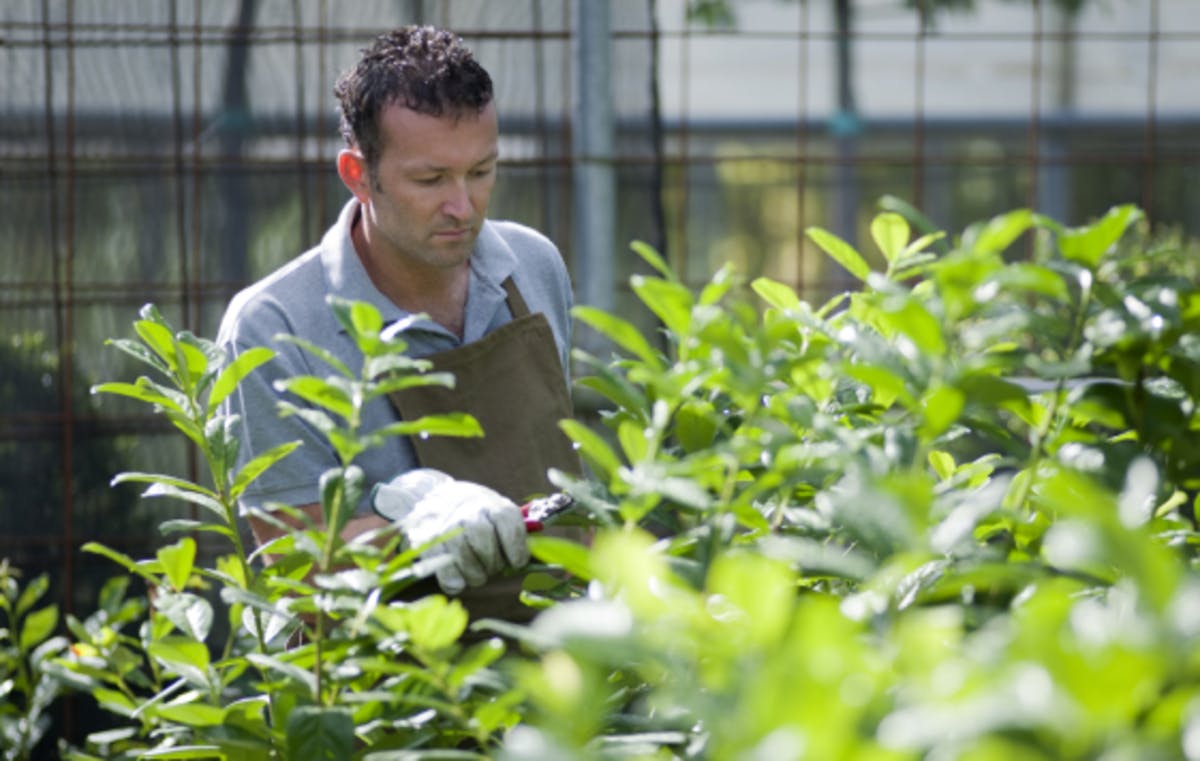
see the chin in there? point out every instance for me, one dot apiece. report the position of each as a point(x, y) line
point(456, 252)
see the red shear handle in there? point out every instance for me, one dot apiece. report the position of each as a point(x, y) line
point(531, 525)
point(539, 512)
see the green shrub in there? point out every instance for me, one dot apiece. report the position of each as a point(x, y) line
point(27, 642)
point(949, 515)
point(367, 671)
point(946, 516)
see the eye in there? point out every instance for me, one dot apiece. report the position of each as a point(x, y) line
point(427, 180)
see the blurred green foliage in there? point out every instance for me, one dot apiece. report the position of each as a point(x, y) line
point(947, 514)
point(27, 642)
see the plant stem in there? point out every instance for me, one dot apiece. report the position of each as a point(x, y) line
point(1037, 442)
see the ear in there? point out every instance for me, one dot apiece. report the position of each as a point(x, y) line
point(352, 168)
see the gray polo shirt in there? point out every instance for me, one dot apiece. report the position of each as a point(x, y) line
point(291, 300)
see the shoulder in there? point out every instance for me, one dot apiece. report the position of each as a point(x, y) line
point(281, 301)
point(530, 245)
point(535, 257)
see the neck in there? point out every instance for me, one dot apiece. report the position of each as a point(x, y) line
point(440, 293)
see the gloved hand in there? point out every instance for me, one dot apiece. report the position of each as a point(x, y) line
point(427, 503)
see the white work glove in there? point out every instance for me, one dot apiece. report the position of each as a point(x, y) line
point(426, 503)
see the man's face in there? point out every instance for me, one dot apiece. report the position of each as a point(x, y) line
point(428, 196)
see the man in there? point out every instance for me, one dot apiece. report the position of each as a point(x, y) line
point(420, 161)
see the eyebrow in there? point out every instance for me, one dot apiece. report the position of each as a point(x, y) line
point(493, 156)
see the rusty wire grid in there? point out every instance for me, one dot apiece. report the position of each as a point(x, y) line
point(171, 151)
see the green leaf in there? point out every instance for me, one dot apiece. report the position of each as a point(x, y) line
point(321, 353)
point(315, 418)
point(192, 360)
point(188, 427)
point(162, 478)
point(563, 553)
point(433, 622)
point(246, 363)
point(891, 233)
point(1034, 278)
point(139, 352)
point(942, 463)
point(915, 321)
point(30, 595)
point(187, 495)
point(322, 393)
point(840, 251)
point(208, 752)
point(886, 385)
point(185, 657)
point(177, 561)
point(185, 526)
point(114, 701)
point(290, 670)
point(395, 363)
point(363, 322)
point(401, 382)
point(998, 233)
point(37, 626)
point(272, 624)
point(620, 332)
point(320, 734)
point(763, 589)
point(778, 295)
point(446, 424)
point(160, 340)
point(914, 217)
point(259, 465)
point(593, 448)
point(365, 318)
point(121, 559)
point(220, 431)
point(989, 390)
point(478, 657)
point(143, 391)
point(918, 246)
point(340, 489)
point(192, 615)
point(652, 257)
point(633, 440)
point(191, 715)
point(1088, 245)
point(942, 405)
point(103, 738)
point(671, 302)
point(716, 288)
point(615, 389)
point(696, 424)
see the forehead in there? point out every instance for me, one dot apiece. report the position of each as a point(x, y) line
point(462, 137)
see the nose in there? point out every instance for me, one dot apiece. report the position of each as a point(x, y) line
point(457, 202)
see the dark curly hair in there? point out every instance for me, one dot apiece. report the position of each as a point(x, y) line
point(426, 69)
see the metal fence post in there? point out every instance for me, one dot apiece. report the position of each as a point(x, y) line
point(593, 182)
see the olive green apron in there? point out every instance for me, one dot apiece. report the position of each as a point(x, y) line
point(512, 381)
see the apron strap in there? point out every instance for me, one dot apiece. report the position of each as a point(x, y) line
point(516, 302)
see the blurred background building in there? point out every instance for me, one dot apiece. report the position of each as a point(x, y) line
point(171, 151)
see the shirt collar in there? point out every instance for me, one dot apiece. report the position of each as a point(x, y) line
point(492, 260)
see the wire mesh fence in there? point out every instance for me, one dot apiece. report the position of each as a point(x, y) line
point(171, 151)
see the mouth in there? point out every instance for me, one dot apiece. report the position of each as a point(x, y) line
point(458, 233)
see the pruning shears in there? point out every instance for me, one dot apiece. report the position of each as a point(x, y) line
point(541, 511)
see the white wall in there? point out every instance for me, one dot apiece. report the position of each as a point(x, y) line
point(1130, 56)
